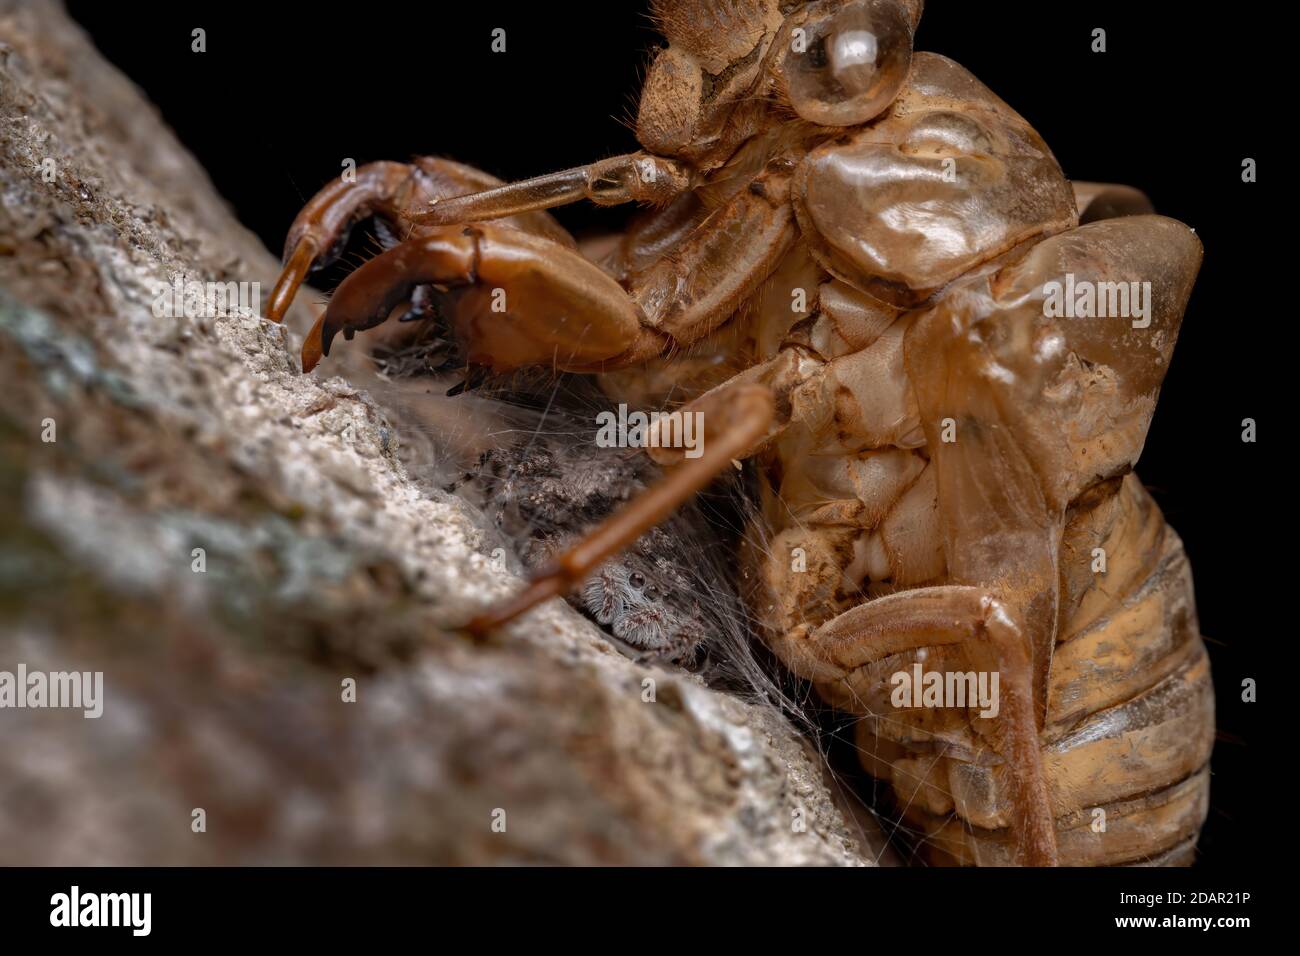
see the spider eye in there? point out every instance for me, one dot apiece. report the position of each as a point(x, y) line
point(845, 63)
point(652, 592)
point(636, 579)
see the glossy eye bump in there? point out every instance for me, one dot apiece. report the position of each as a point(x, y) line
point(845, 62)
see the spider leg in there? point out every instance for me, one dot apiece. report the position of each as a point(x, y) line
point(741, 422)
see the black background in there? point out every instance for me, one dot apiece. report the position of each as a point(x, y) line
point(286, 91)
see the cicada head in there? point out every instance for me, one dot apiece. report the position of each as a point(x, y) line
point(832, 62)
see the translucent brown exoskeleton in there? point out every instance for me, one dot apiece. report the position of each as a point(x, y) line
point(870, 276)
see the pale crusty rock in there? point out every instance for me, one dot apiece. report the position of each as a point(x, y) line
point(324, 561)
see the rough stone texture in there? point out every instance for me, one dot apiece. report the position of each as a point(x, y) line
point(324, 561)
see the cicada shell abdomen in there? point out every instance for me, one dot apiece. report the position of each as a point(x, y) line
point(1130, 720)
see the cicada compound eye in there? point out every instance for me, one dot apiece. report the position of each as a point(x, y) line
point(845, 62)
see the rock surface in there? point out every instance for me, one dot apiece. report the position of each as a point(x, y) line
point(323, 561)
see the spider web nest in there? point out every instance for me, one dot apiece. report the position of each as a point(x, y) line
point(493, 430)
